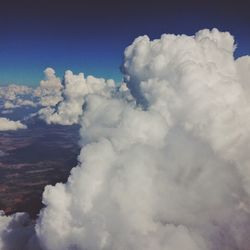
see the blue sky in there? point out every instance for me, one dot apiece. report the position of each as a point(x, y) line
point(90, 36)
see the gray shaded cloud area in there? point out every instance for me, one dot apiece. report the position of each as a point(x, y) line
point(165, 158)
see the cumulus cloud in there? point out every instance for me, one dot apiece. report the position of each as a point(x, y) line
point(6, 124)
point(169, 173)
point(76, 88)
point(18, 103)
point(49, 91)
point(9, 105)
point(47, 94)
point(165, 169)
point(11, 91)
point(15, 96)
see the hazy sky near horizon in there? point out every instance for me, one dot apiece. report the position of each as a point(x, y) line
point(90, 36)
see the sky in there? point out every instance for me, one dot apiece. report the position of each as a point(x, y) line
point(90, 36)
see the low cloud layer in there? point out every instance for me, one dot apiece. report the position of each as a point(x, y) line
point(6, 124)
point(165, 168)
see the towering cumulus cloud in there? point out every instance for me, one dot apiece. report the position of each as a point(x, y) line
point(168, 171)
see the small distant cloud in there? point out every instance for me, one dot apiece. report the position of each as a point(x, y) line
point(6, 124)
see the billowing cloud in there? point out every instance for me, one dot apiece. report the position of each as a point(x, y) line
point(76, 88)
point(169, 170)
point(18, 103)
point(49, 91)
point(11, 91)
point(15, 96)
point(47, 94)
point(170, 173)
point(6, 124)
point(16, 231)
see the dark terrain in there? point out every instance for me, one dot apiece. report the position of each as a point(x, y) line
point(32, 158)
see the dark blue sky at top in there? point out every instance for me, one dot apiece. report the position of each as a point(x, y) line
point(90, 36)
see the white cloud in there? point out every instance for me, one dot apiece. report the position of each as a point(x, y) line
point(170, 175)
point(47, 94)
point(49, 91)
point(18, 103)
point(11, 91)
point(76, 88)
point(15, 96)
point(21, 102)
point(243, 68)
point(170, 172)
point(15, 231)
point(9, 105)
point(6, 124)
